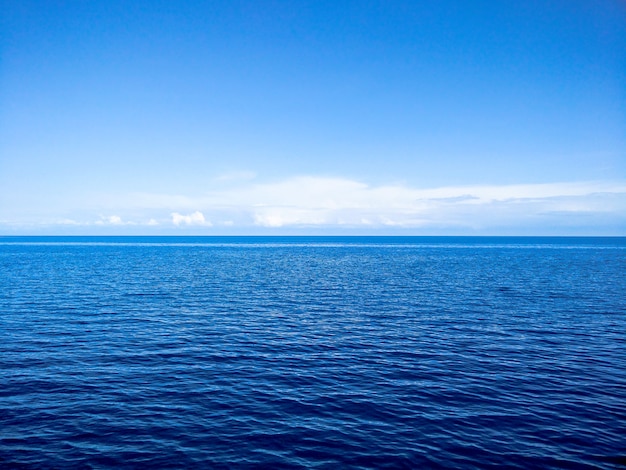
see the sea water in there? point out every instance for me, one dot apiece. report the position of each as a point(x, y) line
point(312, 352)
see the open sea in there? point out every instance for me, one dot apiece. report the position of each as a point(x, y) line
point(312, 352)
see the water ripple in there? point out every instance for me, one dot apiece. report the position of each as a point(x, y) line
point(304, 354)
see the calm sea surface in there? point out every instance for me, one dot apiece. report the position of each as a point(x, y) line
point(298, 352)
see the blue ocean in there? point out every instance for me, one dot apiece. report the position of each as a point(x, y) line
point(312, 352)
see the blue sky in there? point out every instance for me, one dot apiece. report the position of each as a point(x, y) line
point(313, 117)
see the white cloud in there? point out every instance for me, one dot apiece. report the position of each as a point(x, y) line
point(314, 201)
point(309, 201)
point(195, 218)
point(68, 222)
point(115, 220)
point(111, 220)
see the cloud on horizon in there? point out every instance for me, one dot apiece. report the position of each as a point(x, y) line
point(112, 220)
point(196, 218)
point(324, 202)
point(318, 201)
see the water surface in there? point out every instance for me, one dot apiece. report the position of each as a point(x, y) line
point(312, 352)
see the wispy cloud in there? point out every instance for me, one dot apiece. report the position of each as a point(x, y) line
point(112, 220)
point(307, 201)
point(68, 222)
point(317, 201)
point(236, 176)
point(310, 201)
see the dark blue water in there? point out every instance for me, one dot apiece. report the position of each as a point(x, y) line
point(312, 352)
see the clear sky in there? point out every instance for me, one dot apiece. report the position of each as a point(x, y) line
point(313, 117)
